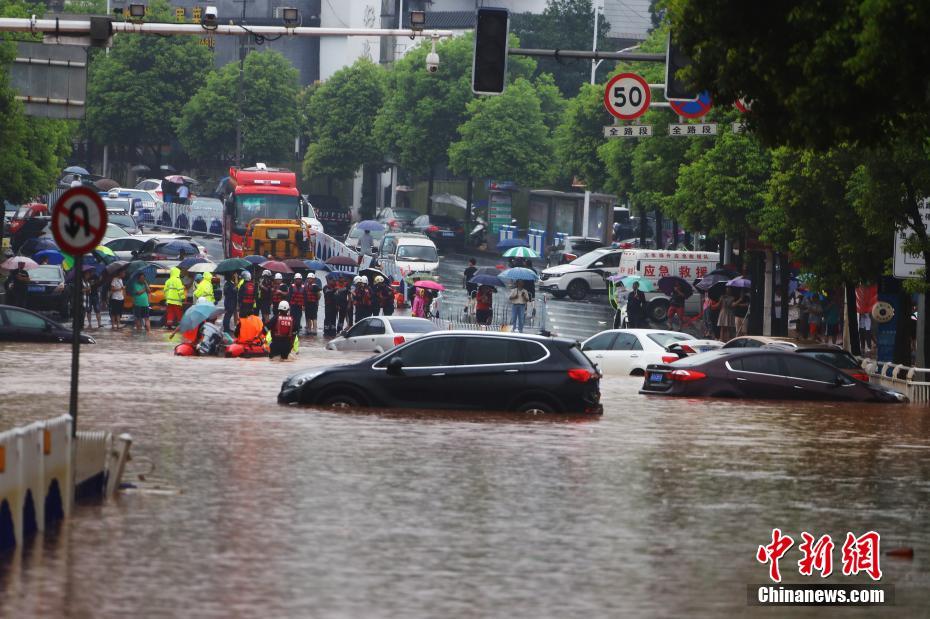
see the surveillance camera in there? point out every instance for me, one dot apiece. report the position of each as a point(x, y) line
point(209, 16)
point(432, 62)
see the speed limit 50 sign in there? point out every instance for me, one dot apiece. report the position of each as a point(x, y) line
point(627, 96)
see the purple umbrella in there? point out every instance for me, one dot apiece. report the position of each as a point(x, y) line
point(739, 282)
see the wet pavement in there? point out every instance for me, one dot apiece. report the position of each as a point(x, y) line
point(248, 508)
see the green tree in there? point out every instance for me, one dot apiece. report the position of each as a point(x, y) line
point(581, 134)
point(136, 92)
point(207, 124)
point(505, 137)
point(339, 121)
point(564, 24)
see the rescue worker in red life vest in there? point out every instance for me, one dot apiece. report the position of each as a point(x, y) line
point(361, 298)
point(278, 290)
point(384, 294)
point(296, 300)
point(246, 295)
point(281, 327)
point(311, 301)
point(265, 291)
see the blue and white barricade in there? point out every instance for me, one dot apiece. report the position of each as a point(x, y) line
point(325, 247)
point(506, 232)
point(537, 240)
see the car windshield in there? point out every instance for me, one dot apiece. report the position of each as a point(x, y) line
point(589, 258)
point(123, 221)
point(265, 206)
point(412, 325)
point(406, 214)
point(118, 204)
point(664, 339)
point(115, 231)
point(355, 233)
point(45, 273)
point(426, 253)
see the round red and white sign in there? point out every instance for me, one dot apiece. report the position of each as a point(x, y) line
point(79, 220)
point(627, 96)
point(742, 105)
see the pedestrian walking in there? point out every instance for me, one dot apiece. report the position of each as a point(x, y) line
point(483, 305)
point(636, 307)
point(174, 298)
point(469, 272)
point(418, 309)
point(726, 321)
point(330, 308)
point(296, 298)
point(311, 302)
point(265, 293)
point(281, 327)
point(17, 285)
point(230, 301)
point(91, 290)
point(519, 297)
point(139, 289)
point(117, 298)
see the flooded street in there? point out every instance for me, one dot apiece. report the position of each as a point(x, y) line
point(252, 509)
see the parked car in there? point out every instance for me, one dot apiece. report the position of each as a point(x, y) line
point(48, 291)
point(397, 219)
point(153, 185)
point(122, 219)
point(569, 248)
point(459, 370)
point(581, 276)
point(622, 352)
point(167, 249)
point(23, 325)
point(828, 353)
point(129, 248)
point(409, 253)
point(380, 333)
point(760, 373)
point(442, 230)
point(354, 236)
point(335, 218)
point(687, 348)
point(27, 211)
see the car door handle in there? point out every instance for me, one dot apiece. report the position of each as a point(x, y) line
point(633, 356)
point(797, 386)
point(741, 380)
point(511, 371)
point(438, 374)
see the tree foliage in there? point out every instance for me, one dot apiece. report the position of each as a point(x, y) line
point(339, 121)
point(136, 92)
point(207, 124)
point(564, 24)
point(505, 137)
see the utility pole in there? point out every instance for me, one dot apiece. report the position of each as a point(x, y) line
point(242, 53)
point(586, 209)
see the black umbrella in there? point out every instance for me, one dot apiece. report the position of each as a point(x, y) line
point(371, 274)
point(76, 169)
point(667, 285)
point(716, 291)
point(720, 275)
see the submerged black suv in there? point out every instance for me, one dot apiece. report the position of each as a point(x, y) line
point(459, 370)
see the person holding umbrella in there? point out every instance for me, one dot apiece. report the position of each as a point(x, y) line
point(519, 297)
point(726, 321)
point(676, 306)
point(636, 307)
point(117, 297)
point(140, 302)
point(483, 303)
point(17, 284)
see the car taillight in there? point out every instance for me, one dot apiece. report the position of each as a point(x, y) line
point(687, 349)
point(861, 376)
point(159, 257)
point(392, 223)
point(399, 339)
point(580, 375)
point(669, 358)
point(432, 228)
point(570, 257)
point(686, 375)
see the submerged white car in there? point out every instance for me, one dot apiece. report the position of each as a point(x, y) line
point(623, 352)
point(380, 333)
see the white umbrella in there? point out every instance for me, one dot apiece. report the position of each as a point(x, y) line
point(202, 267)
point(448, 198)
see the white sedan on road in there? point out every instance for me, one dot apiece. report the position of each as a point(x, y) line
point(621, 352)
point(380, 333)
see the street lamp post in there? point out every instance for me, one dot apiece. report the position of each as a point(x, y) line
point(586, 209)
point(242, 52)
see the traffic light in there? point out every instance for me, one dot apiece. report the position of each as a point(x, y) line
point(675, 59)
point(489, 68)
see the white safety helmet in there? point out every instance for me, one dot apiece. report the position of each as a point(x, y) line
point(298, 276)
point(378, 279)
point(246, 276)
point(284, 306)
point(357, 279)
point(278, 276)
point(266, 273)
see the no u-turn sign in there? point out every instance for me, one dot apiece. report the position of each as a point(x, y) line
point(79, 220)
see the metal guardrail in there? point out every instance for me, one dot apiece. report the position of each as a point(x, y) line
point(452, 315)
point(913, 382)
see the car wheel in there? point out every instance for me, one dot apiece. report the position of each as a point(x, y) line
point(658, 310)
point(339, 399)
point(638, 372)
point(536, 407)
point(578, 289)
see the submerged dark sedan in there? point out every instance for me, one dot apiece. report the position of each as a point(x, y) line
point(48, 290)
point(760, 373)
point(459, 370)
point(22, 325)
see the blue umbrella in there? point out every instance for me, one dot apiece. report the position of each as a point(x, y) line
point(519, 274)
point(34, 245)
point(316, 265)
point(256, 259)
point(510, 243)
point(739, 282)
point(487, 280)
point(337, 274)
point(133, 269)
point(177, 246)
point(371, 225)
point(52, 256)
point(189, 262)
point(198, 314)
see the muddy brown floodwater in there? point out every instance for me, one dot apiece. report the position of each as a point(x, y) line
point(249, 509)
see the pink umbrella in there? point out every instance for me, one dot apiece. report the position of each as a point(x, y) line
point(428, 283)
point(276, 266)
point(13, 263)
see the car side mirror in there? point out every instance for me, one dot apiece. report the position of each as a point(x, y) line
point(395, 366)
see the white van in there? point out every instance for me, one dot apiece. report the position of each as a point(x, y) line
point(405, 254)
point(654, 264)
